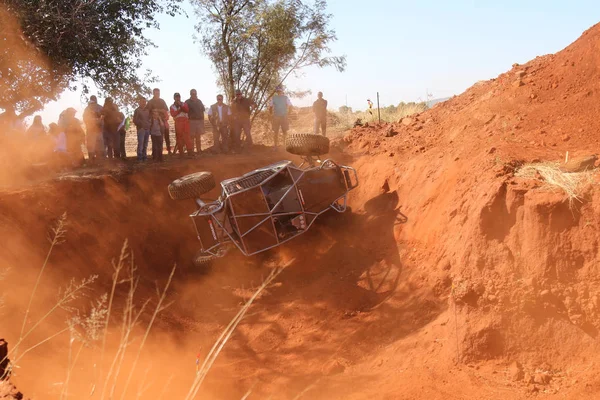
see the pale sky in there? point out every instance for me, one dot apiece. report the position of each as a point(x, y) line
point(401, 49)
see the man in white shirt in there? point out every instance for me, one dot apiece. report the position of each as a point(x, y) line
point(219, 115)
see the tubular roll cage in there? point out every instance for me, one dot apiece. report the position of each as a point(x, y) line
point(212, 208)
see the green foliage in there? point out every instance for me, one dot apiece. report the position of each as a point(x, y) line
point(49, 45)
point(256, 45)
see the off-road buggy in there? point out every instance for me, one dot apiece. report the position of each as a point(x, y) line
point(268, 206)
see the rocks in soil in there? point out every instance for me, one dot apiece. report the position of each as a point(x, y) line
point(580, 164)
point(390, 132)
point(407, 121)
point(516, 372)
point(9, 392)
point(334, 367)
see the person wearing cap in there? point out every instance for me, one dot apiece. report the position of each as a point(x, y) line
point(241, 108)
point(92, 117)
point(320, 110)
point(219, 115)
point(196, 118)
point(159, 104)
point(279, 107)
point(179, 111)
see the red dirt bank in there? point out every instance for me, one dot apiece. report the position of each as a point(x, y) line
point(456, 280)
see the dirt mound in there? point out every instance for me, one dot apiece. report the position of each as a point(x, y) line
point(453, 277)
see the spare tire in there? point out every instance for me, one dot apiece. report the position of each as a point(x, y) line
point(307, 144)
point(192, 186)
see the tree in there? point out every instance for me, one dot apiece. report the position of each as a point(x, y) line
point(345, 110)
point(47, 46)
point(256, 44)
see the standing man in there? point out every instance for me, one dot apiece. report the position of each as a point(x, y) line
point(141, 119)
point(159, 104)
point(241, 109)
point(179, 112)
point(196, 117)
point(320, 110)
point(279, 107)
point(92, 117)
point(112, 121)
point(219, 115)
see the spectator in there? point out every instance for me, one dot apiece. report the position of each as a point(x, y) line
point(60, 144)
point(179, 112)
point(219, 115)
point(112, 121)
point(156, 103)
point(92, 117)
point(241, 109)
point(141, 120)
point(196, 118)
point(75, 135)
point(320, 110)
point(10, 123)
point(123, 126)
point(156, 133)
point(37, 130)
point(279, 107)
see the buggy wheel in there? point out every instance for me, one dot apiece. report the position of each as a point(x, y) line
point(192, 186)
point(202, 260)
point(306, 144)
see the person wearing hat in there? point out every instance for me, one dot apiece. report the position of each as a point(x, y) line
point(320, 110)
point(179, 111)
point(279, 107)
point(241, 108)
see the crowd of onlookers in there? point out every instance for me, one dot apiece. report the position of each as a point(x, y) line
point(106, 127)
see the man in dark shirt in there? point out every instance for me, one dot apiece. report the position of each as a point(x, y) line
point(320, 110)
point(196, 118)
point(241, 108)
point(157, 103)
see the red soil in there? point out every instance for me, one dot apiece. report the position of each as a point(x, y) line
point(451, 278)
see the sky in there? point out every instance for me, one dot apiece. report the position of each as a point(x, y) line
point(404, 50)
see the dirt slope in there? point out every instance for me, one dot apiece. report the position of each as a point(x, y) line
point(451, 278)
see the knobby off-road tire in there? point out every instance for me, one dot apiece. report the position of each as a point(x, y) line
point(306, 144)
point(203, 260)
point(192, 186)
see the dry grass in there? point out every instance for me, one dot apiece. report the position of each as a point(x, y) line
point(572, 184)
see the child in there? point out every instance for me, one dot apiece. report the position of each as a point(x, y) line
point(156, 129)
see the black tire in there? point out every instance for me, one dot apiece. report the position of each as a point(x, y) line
point(203, 260)
point(192, 186)
point(306, 144)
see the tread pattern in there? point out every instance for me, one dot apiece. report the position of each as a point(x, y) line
point(202, 259)
point(192, 186)
point(248, 182)
point(307, 144)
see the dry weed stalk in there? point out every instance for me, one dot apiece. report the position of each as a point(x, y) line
point(70, 293)
point(129, 321)
point(226, 334)
point(56, 238)
point(159, 308)
point(572, 183)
